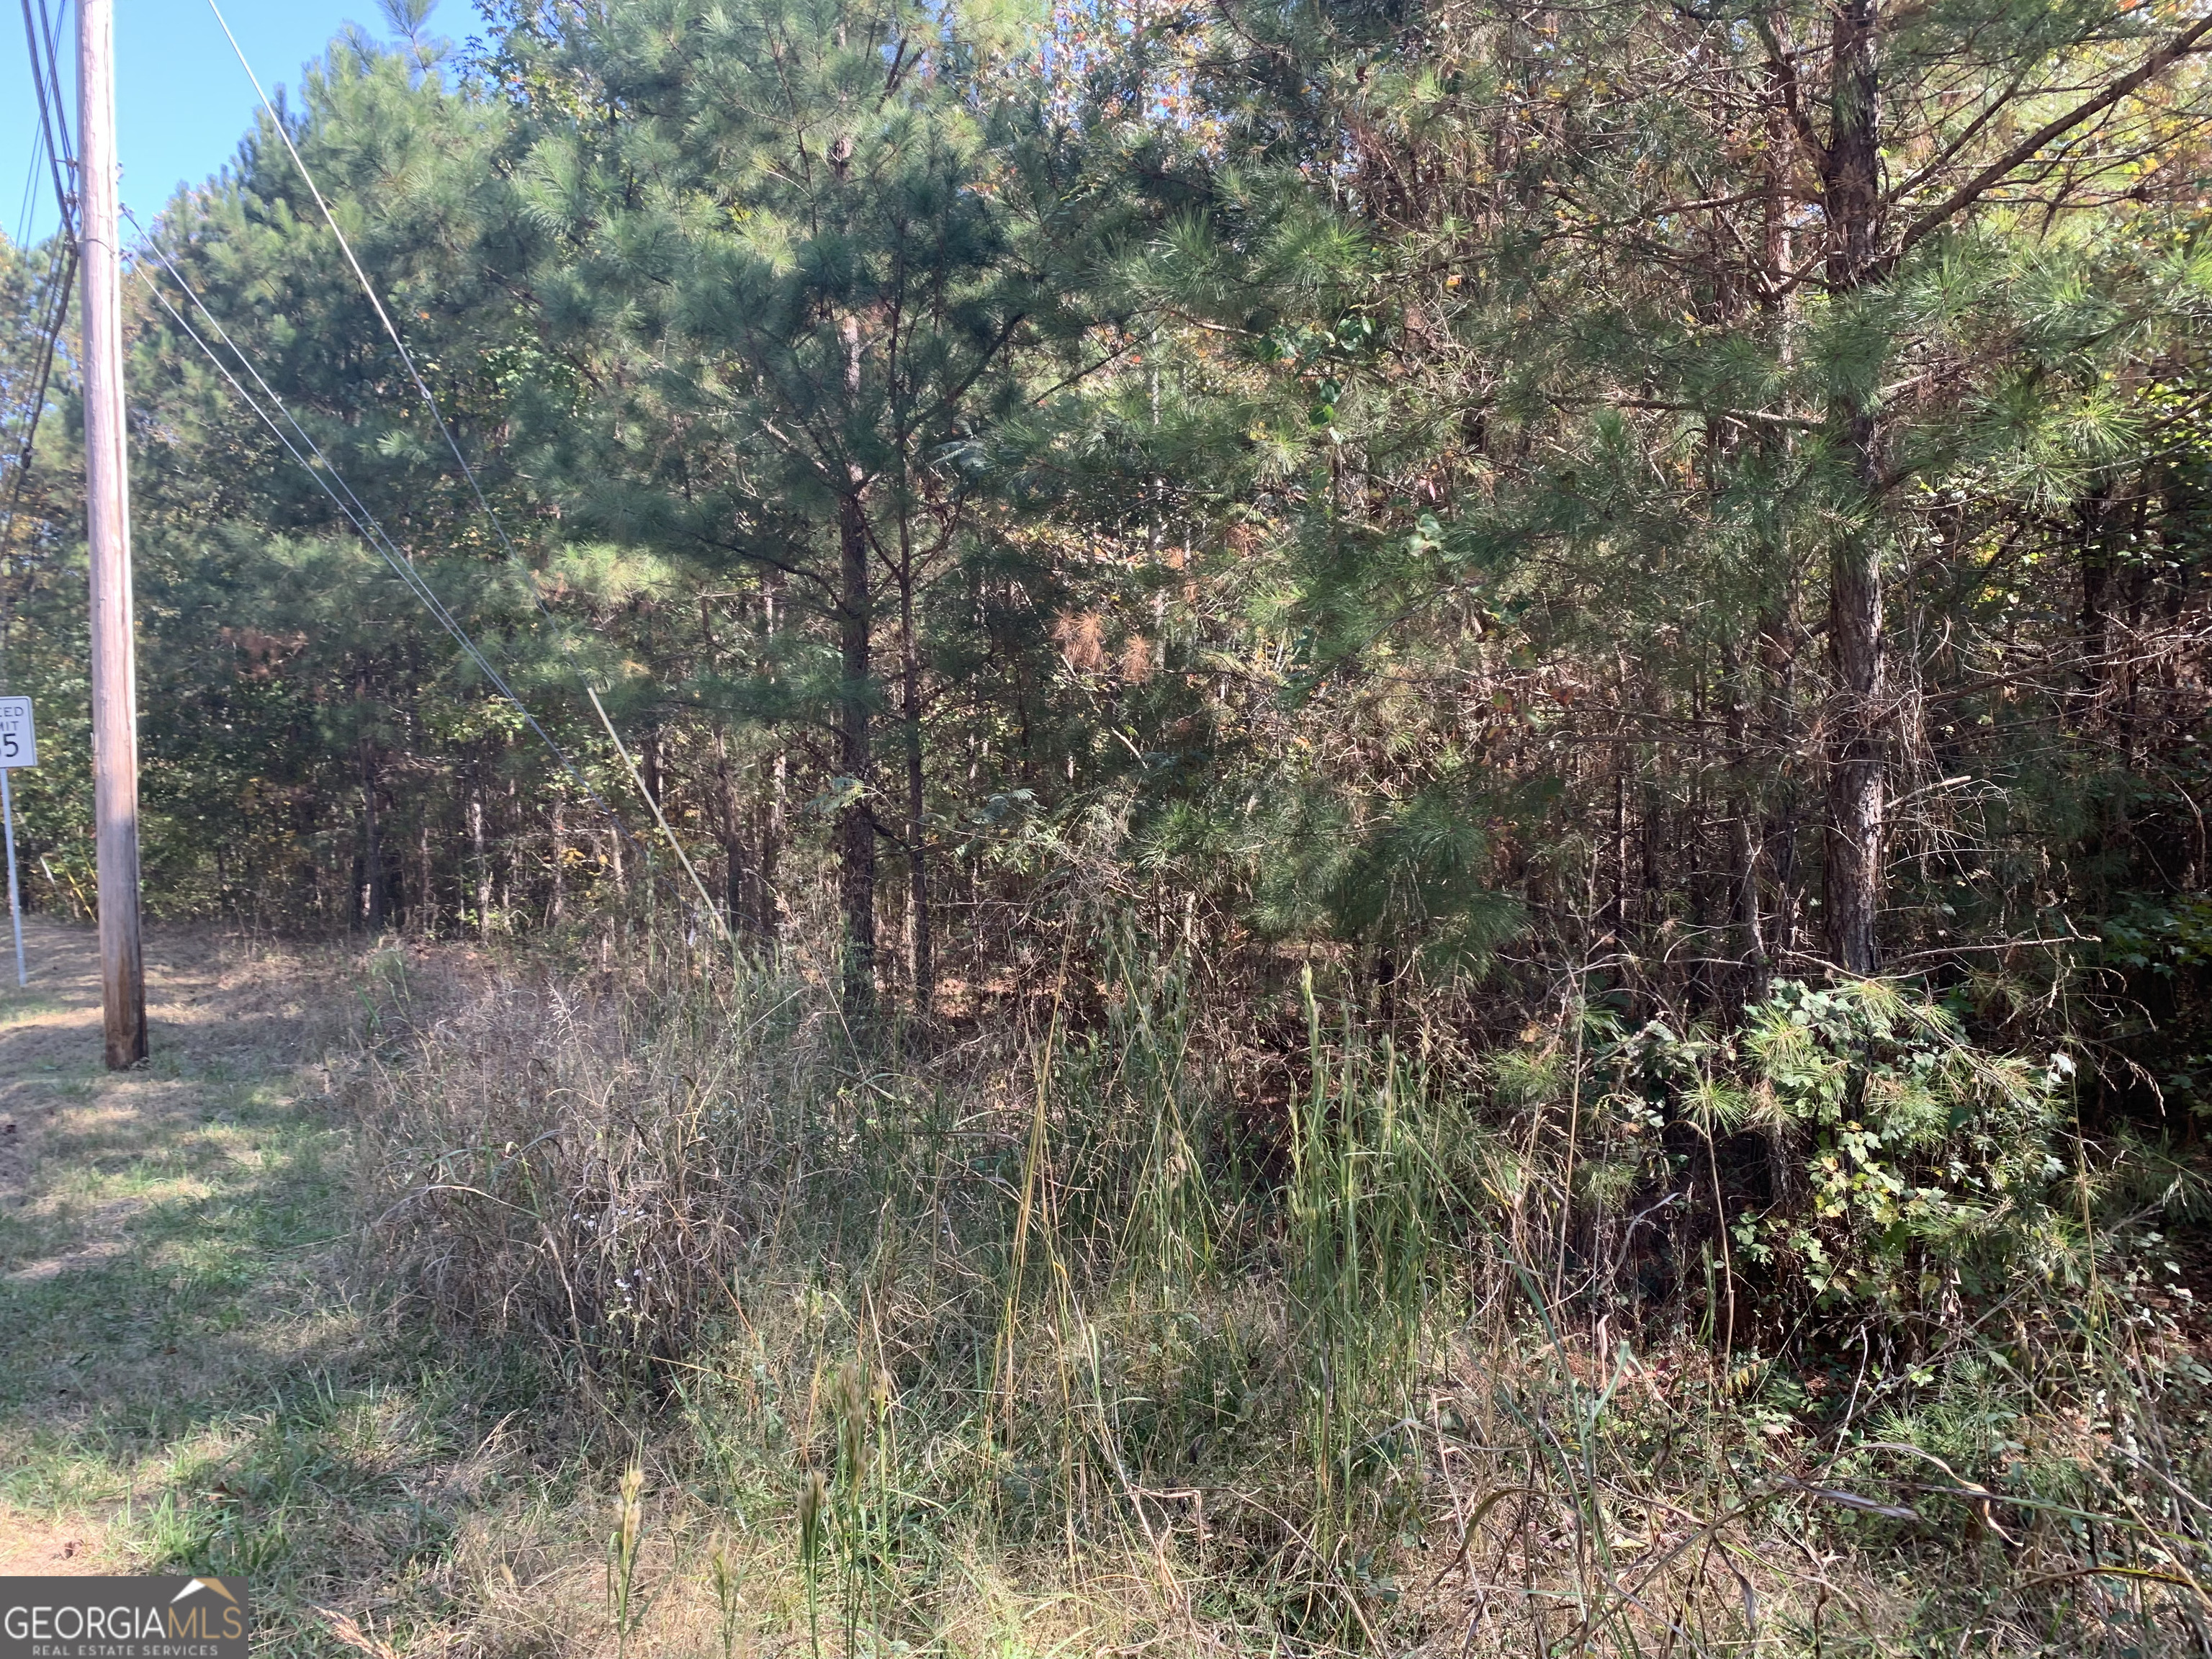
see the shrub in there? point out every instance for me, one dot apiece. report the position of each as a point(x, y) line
point(1920, 1167)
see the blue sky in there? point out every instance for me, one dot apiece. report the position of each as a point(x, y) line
point(182, 103)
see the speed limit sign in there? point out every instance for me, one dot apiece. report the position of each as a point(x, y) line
point(19, 743)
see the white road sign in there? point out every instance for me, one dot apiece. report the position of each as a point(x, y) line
point(19, 743)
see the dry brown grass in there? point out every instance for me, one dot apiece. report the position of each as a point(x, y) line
point(1081, 1373)
point(1136, 1390)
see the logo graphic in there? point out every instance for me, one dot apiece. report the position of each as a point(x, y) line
point(124, 1619)
point(215, 1584)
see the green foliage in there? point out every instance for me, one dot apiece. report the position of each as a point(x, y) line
point(1924, 1166)
point(1376, 490)
point(1376, 572)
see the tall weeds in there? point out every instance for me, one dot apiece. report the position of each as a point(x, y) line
point(1826, 1333)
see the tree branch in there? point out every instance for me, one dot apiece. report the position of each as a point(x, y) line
point(2181, 45)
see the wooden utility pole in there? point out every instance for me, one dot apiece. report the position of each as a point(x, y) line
point(107, 494)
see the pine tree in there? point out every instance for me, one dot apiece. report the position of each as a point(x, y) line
point(1639, 295)
point(792, 268)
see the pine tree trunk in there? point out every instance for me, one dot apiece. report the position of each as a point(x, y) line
point(1767, 828)
point(856, 827)
point(1743, 844)
point(770, 840)
point(1779, 641)
point(482, 858)
point(426, 904)
point(737, 877)
point(922, 957)
point(1615, 921)
point(1852, 884)
point(2096, 583)
point(373, 893)
point(559, 901)
point(769, 836)
point(1852, 887)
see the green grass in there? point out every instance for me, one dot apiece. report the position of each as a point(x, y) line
point(191, 1384)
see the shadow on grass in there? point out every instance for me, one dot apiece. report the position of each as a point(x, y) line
point(188, 1380)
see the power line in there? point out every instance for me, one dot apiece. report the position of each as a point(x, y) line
point(53, 110)
point(482, 503)
point(61, 276)
point(56, 300)
point(54, 303)
point(30, 184)
point(53, 138)
point(319, 466)
point(46, 83)
point(325, 475)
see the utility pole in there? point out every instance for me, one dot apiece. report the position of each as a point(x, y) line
point(107, 495)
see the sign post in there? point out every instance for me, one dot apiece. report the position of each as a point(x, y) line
point(19, 746)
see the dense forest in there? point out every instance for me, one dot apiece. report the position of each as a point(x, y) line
point(1541, 660)
point(1673, 498)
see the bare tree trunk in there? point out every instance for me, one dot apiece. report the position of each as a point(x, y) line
point(426, 903)
point(1615, 920)
point(372, 889)
point(1766, 831)
point(559, 902)
point(1851, 885)
point(1780, 639)
point(856, 827)
point(1856, 755)
point(767, 838)
point(922, 958)
point(770, 840)
point(482, 858)
point(856, 824)
point(1743, 842)
point(2097, 563)
point(737, 877)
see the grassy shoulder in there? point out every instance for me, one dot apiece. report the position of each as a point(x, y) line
point(200, 1374)
point(189, 1385)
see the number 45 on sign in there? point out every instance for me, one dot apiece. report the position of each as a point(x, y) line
point(19, 746)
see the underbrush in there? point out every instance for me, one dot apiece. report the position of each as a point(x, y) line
point(1828, 1333)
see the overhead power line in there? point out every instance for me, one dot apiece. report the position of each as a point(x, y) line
point(38, 154)
point(317, 466)
point(483, 503)
point(52, 138)
point(53, 303)
point(41, 35)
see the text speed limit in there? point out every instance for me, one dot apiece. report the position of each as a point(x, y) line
point(18, 742)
